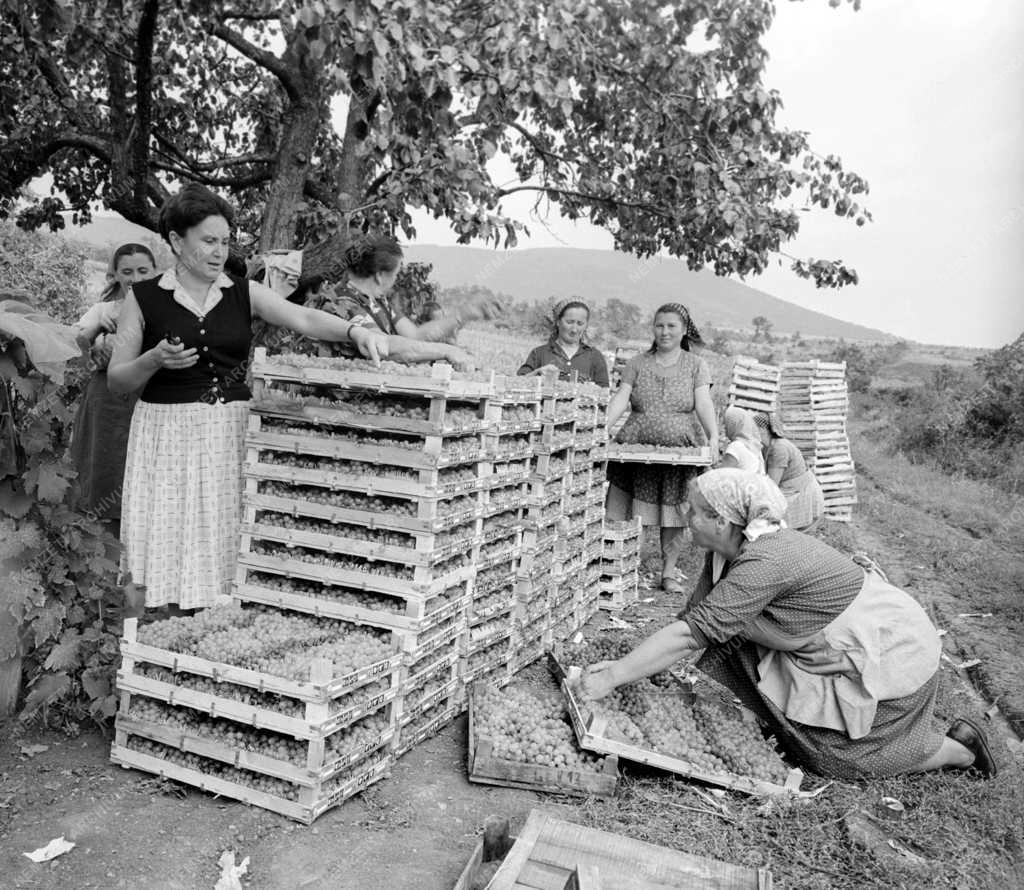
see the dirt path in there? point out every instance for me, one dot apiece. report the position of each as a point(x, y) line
point(416, 829)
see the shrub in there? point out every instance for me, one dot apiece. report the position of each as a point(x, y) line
point(50, 270)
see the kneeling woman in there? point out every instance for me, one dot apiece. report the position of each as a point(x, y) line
point(842, 666)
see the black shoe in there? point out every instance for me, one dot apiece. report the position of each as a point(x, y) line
point(971, 737)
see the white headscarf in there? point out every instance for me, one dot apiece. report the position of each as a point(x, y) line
point(750, 500)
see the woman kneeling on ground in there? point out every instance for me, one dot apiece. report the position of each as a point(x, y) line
point(842, 666)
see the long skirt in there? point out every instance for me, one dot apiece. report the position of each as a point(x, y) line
point(902, 734)
point(655, 493)
point(805, 501)
point(99, 444)
point(183, 501)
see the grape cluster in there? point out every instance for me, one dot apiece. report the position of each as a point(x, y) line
point(432, 658)
point(346, 467)
point(278, 643)
point(560, 438)
point(336, 529)
point(490, 579)
point(248, 778)
point(527, 728)
point(483, 604)
point(489, 628)
point(333, 560)
point(518, 414)
point(510, 445)
point(556, 466)
point(489, 654)
point(341, 595)
point(511, 468)
point(739, 743)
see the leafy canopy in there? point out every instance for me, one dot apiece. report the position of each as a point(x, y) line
point(599, 105)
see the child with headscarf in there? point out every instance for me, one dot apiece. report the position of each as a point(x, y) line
point(840, 665)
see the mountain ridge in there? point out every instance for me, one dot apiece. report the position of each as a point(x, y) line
point(595, 275)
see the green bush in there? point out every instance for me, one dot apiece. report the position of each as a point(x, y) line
point(48, 269)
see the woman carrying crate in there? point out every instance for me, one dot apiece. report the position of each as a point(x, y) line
point(668, 392)
point(840, 665)
point(567, 351)
point(786, 467)
point(184, 340)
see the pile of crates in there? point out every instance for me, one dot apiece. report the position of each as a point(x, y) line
point(449, 519)
point(813, 405)
point(620, 564)
point(754, 385)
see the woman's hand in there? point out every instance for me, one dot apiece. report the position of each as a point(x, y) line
point(598, 680)
point(826, 660)
point(173, 356)
point(101, 351)
point(371, 344)
point(460, 359)
point(543, 369)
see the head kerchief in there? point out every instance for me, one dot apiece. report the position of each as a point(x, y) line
point(770, 423)
point(689, 328)
point(750, 500)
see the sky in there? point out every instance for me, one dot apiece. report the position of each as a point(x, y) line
point(923, 98)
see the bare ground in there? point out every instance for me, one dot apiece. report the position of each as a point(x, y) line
point(417, 828)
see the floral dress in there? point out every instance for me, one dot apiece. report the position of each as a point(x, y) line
point(662, 413)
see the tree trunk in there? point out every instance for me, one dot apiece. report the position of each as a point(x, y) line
point(299, 130)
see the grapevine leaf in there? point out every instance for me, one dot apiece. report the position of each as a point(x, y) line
point(48, 481)
point(96, 685)
point(46, 623)
point(46, 690)
point(64, 655)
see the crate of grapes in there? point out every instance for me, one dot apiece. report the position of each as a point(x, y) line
point(671, 727)
point(288, 712)
point(696, 455)
point(521, 740)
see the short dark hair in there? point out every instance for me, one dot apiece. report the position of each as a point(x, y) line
point(235, 265)
point(189, 207)
point(373, 254)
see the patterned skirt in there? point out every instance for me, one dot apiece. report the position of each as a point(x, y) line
point(805, 501)
point(182, 504)
point(902, 736)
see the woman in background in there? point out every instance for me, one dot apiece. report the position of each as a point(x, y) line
point(786, 467)
point(100, 433)
point(744, 449)
point(373, 266)
point(668, 392)
point(567, 350)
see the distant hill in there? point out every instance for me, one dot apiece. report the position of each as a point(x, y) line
point(595, 275)
point(598, 275)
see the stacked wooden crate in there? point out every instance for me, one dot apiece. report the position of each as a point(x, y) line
point(620, 563)
point(417, 514)
point(754, 386)
point(813, 406)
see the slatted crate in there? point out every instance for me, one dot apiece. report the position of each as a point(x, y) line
point(491, 605)
point(441, 662)
point(438, 692)
point(305, 592)
point(696, 455)
point(509, 447)
point(616, 594)
point(197, 711)
point(426, 725)
point(484, 767)
point(293, 801)
point(478, 661)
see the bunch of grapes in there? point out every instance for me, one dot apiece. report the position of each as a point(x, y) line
point(312, 431)
point(248, 778)
point(739, 743)
point(330, 464)
point(498, 601)
point(528, 729)
point(267, 701)
point(345, 499)
point(336, 529)
point(342, 562)
point(299, 360)
point(490, 628)
point(347, 741)
point(518, 413)
point(511, 468)
point(435, 657)
point(317, 590)
point(489, 654)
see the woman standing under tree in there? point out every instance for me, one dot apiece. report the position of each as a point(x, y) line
point(184, 341)
point(668, 392)
point(567, 350)
point(100, 432)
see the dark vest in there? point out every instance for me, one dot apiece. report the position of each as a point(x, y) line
point(222, 338)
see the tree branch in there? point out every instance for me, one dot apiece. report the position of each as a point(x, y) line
point(583, 196)
point(262, 58)
point(233, 182)
point(139, 159)
point(250, 16)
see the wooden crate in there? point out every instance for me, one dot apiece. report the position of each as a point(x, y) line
point(590, 734)
point(697, 456)
point(549, 851)
point(485, 768)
